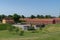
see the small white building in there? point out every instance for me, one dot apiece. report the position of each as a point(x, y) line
point(25, 26)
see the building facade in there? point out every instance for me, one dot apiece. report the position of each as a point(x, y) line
point(41, 21)
point(7, 20)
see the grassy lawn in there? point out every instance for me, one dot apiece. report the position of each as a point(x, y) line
point(50, 32)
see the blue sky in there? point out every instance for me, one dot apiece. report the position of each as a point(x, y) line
point(30, 7)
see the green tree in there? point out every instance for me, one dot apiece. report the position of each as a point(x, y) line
point(32, 16)
point(22, 16)
point(10, 16)
point(16, 17)
point(2, 16)
point(48, 16)
point(42, 16)
point(38, 16)
point(59, 16)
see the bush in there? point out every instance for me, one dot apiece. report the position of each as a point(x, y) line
point(17, 29)
point(34, 31)
point(10, 28)
point(42, 26)
point(4, 26)
point(31, 28)
point(21, 33)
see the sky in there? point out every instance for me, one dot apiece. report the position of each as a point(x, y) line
point(30, 7)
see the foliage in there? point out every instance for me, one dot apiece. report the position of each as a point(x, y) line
point(4, 26)
point(42, 26)
point(17, 29)
point(11, 28)
point(42, 16)
point(21, 33)
point(16, 17)
point(48, 16)
point(52, 33)
point(31, 28)
point(38, 16)
point(10, 16)
point(32, 16)
point(22, 16)
point(2, 16)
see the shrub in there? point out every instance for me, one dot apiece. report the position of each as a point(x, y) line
point(31, 28)
point(21, 33)
point(10, 28)
point(17, 29)
point(42, 26)
point(4, 26)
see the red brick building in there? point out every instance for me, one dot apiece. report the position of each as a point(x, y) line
point(41, 21)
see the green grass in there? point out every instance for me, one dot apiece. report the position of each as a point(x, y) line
point(4, 26)
point(50, 32)
point(5, 35)
point(52, 28)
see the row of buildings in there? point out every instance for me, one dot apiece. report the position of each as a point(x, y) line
point(41, 21)
point(33, 21)
point(27, 22)
point(36, 23)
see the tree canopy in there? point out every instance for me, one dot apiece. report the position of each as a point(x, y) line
point(16, 17)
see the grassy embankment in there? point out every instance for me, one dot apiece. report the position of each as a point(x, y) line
point(50, 32)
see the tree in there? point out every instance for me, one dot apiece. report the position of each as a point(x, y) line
point(2, 16)
point(32, 16)
point(59, 16)
point(23, 16)
point(10, 16)
point(42, 16)
point(38, 16)
point(48, 16)
point(16, 17)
